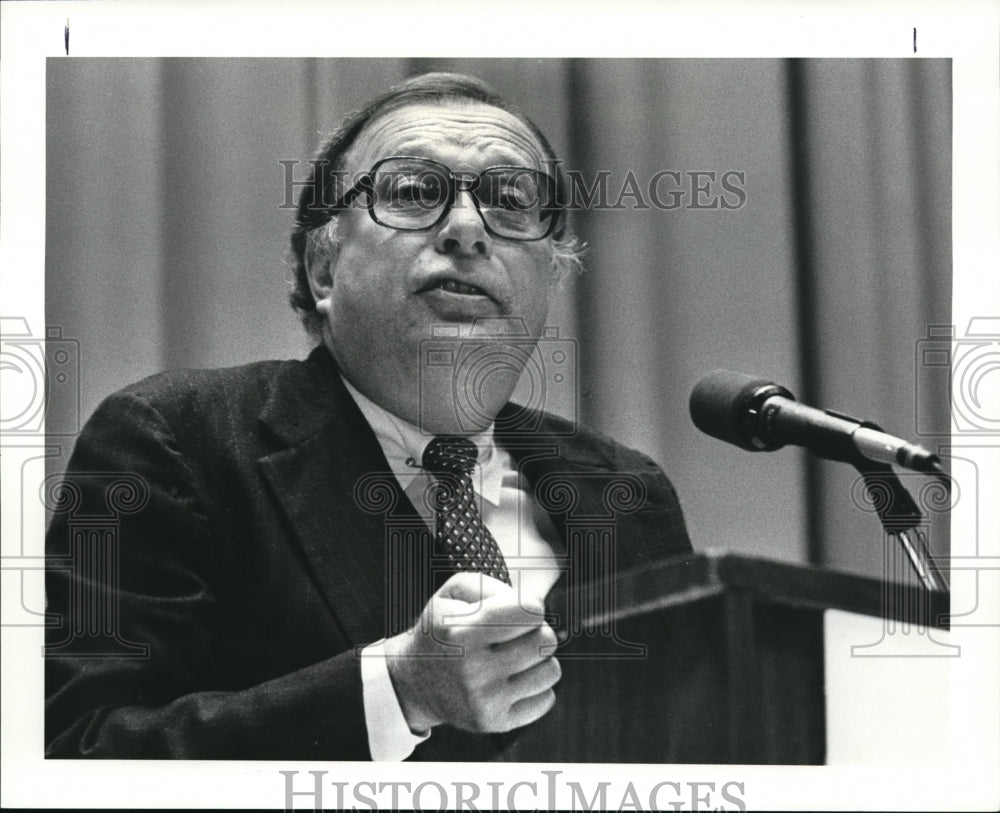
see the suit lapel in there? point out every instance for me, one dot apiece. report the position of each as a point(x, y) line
point(340, 497)
point(331, 480)
point(586, 495)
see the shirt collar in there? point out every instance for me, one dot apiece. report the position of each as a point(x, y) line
point(403, 445)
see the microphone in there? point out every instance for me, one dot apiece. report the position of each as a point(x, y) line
point(761, 416)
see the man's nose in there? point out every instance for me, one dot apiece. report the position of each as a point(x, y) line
point(463, 230)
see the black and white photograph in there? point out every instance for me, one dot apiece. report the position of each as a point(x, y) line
point(618, 424)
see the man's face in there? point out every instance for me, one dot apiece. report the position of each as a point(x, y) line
point(385, 288)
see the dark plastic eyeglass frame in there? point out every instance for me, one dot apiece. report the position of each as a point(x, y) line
point(364, 185)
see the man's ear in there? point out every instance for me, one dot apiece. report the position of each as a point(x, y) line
point(320, 273)
point(320, 258)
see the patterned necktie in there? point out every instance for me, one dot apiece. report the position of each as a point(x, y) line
point(460, 534)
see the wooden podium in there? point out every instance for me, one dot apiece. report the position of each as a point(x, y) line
point(706, 658)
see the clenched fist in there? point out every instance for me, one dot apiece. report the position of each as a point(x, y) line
point(477, 658)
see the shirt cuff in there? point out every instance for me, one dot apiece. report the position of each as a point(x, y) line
point(389, 736)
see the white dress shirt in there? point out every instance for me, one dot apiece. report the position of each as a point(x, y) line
point(512, 515)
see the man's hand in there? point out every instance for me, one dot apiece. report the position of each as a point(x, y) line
point(476, 659)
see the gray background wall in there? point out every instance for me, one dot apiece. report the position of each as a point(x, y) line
point(166, 245)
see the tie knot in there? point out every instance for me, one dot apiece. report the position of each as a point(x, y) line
point(447, 454)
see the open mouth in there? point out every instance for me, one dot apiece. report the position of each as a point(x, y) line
point(455, 287)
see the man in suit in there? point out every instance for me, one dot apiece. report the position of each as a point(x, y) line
point(349, 557)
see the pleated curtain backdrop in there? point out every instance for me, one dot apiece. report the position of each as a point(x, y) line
point(821, 265)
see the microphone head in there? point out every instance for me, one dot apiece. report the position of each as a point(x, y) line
point(726, 405)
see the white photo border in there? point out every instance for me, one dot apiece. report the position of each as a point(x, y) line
point(964, 31)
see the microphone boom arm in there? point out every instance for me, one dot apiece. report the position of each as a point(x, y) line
point(901, 518)
point(761, 416)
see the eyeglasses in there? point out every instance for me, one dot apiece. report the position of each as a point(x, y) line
point(416, 194)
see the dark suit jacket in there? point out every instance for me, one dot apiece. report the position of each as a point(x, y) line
point(215, 562)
